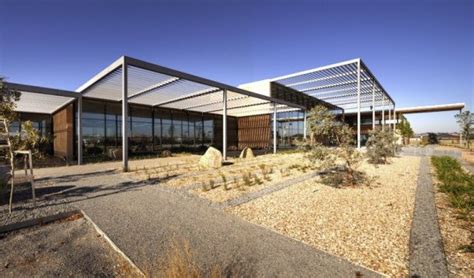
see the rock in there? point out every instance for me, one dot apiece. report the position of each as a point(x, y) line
point(117, 153)
point(247, 153)
point(211, 159)
point(166, 153)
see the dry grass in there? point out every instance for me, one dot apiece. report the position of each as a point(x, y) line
point(181, 261)
point(367, 225)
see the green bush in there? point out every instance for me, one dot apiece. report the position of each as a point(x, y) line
point(381, 144)
point(457, 183)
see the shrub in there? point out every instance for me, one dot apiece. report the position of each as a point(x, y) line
point(458, 185)
point(331, 144)
point(381, 144)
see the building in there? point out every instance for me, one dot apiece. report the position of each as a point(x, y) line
point(161, 108)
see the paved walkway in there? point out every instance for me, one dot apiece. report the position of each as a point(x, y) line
point(427, 257)
point(143, 220)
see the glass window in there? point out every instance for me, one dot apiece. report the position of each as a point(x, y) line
point(157, 130)
point(141, 137)
point(208, 128)
point(166, 128)
point(93, 127)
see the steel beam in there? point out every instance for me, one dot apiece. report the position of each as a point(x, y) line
point(124, 117)
point(41, 90)
point(224, 124)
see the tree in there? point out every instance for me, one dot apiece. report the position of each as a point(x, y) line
point(405, 128)
point(381, 144)
point(465, 120)
point(7, 101)
point(331, 146)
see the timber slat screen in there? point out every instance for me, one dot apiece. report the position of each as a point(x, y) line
point(254, 131)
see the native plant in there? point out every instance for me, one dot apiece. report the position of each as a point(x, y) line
point(405, 129)
point(381, 145)
point(465, 120)
point(331, 146)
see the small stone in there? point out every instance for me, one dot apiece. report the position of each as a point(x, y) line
point(247, 153)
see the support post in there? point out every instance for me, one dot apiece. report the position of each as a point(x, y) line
point(224, 124)
point(79, 130)
point(124, 116)
point(460, 133)
point(383, 112)
point(390, 117)
point(305, 126)
point(358, 105)
point(373, 105)
point(274, 128)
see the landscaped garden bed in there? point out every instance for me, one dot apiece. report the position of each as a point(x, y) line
point(454, 202)
point(368, 224)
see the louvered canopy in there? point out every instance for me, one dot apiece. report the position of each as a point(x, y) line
point(338, 85)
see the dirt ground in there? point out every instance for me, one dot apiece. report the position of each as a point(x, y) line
point(369, 225)
point(61, 249)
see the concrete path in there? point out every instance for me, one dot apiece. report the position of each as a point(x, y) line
point(427, 257)
point(144, 220)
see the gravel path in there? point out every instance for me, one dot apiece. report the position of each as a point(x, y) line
point(145, 223)
point(62, 249)
point(427, 257)
point(430, 150)
point(144, 220)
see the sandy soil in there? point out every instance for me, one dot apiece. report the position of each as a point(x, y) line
point(69, 248)
point(369, 225)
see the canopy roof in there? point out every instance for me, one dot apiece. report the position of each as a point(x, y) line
point(42, 100)
point(153, 85)
point(337, 84)
point(157, 86)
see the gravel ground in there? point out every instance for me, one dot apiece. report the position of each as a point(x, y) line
point(426, 246)
point(143, 219)
point(455, 233)
point(60, 249)
point(367, 225)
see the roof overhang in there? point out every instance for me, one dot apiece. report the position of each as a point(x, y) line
point(41, 100)
point(431, 108)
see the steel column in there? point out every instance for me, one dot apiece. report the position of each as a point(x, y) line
point(383, 111)
point(304, 126)
point(373, 105)
point(358, 104)
point(389, 117)
point(79, 130)
point(274, 128)
point(224, 124)
point(124, 116)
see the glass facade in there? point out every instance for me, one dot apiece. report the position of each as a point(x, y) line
point(150, 129)
point(290, 126)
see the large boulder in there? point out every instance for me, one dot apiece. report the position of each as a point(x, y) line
point(247, 153)
point(211, 159)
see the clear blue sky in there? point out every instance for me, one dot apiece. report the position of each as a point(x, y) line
point(421, 51)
